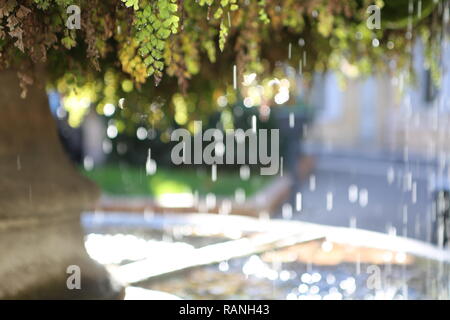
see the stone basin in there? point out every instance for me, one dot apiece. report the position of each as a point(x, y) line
point(204, 256)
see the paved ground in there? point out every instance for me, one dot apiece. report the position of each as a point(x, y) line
point(377, 195)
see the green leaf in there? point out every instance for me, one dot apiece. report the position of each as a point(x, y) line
point(222, 35)
point(159, 65)
point(68, 42)
point(149, 60)
point(131, 3)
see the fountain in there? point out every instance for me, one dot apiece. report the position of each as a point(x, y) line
point(42, 196)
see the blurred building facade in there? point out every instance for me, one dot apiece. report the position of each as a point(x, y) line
point(383, 115)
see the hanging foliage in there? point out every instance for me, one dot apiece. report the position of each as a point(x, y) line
point(147, 52)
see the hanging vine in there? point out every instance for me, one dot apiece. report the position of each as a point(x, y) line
point(188, 46)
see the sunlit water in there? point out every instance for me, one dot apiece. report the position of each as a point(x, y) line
point(314, 269)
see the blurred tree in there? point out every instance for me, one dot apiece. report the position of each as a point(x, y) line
point(108, 50)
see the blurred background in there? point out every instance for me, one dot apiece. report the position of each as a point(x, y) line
point(368, 152)
point(364, 153)
point(359, 207)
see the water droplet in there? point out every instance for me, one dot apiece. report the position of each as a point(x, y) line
point(329, 201)
point(363, 197)
point(286, 211)
point(239, 195)
point(312, 182)
point(88, 163)
point(214, 172)
point(150, 165)
point(353, 193)
point(112, 131)
point(121, 103)
point(327, 246)
point(244, 172)
point(390, 175)
point(375, 43)
point(141, 133)
point(210, 201)
point(291, 120)
point(224, 266)
point(108, 109)
point(107, 146)
point(234, 77)
point(298, 201)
